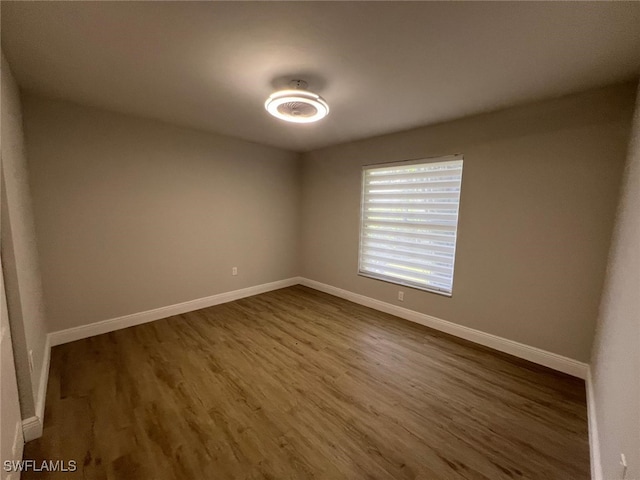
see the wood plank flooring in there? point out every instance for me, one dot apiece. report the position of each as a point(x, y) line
point(297, 384)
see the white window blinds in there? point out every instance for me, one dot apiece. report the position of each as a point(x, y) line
point(409, 222)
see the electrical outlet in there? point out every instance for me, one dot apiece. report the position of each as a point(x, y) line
point(31, 361)
point(234, 271)
point(401, 295)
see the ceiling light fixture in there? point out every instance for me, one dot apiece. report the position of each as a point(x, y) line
point(297, 104)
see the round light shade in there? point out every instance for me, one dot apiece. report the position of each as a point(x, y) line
point(298, 106)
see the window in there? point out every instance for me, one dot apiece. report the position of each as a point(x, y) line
point(409, 221)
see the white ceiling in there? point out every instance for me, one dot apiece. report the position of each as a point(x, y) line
point(382, 66)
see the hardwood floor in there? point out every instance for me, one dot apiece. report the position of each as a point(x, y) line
point(297, 384)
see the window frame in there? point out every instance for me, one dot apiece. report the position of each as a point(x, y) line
point(395, 281)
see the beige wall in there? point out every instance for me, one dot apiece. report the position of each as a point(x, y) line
point(134, 214)
point(19, 250)
point(615, 362)
point(539, 192)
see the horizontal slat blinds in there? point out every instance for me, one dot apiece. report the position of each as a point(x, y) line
point(409, 223)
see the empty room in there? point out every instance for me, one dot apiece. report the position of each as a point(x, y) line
point(320, 240)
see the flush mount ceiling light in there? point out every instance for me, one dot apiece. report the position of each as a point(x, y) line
point(297, 104)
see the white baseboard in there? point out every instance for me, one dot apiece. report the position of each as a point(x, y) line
point(32, 428)
point(110, 325)
point(533, 354)
point(594, 440)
